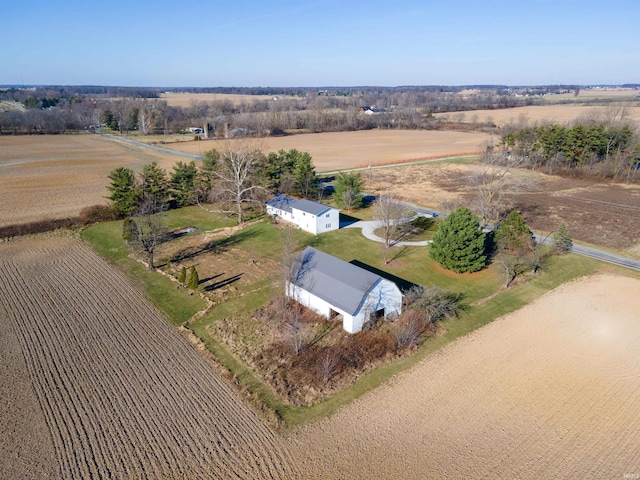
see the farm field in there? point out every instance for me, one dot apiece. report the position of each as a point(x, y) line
point(596, 212)
point(96, 384)
point(550, 391)
point(184, 100)
point(55, 176)
point(342, 150)
point(535, 113)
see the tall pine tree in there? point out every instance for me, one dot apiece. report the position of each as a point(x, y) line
point(459, 243)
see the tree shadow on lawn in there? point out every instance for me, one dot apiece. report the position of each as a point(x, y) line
point(223, 283)
point(202, 281)
point(214, 246)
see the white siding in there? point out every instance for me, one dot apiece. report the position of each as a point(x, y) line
point(384, 295)
point(305, 220)
point(328, 221)
point(284, 215)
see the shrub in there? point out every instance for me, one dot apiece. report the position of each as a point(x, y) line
point(194, 280)
point(182, 276)
point(98, 213)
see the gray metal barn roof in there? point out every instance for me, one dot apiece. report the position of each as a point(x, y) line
point(283, 202)
point(337, 282)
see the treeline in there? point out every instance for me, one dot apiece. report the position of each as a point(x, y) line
point(309, 110)
point(235, 179)
point(609, 150)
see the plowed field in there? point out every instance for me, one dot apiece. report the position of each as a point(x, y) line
point(551, 391)
point(56, 176)
point(96, 384)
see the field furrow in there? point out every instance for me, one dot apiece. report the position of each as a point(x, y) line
point(122, 394)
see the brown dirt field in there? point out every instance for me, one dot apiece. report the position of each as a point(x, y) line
point(596, 212)
point(535, 113)
point(550, 391)
point(185, 100)
point(342, 150)
point(55, 176)
point(107, 388)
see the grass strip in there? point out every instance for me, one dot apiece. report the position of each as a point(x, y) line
point(176, 304)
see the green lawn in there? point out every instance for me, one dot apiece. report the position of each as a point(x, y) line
point(199, 218)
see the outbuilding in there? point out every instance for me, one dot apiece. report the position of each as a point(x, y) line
point(332, 287)
point(312, 217)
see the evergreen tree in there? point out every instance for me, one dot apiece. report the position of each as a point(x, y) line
point(459, 243)
point(155, 186)
point(124, 191)
point(182, 276)
point(561, 240)
point(206, 174)
point(348, 190)
point(304, 174)
point(193, 278)
point(513, 234)
point(183, 183)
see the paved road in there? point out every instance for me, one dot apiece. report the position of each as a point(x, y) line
point(599, 254)
point(152, 147)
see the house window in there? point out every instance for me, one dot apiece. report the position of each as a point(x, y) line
point(328, 225)
point(327, 215)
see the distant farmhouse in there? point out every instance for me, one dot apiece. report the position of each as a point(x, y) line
point(331, 287)
point(371, 110)
point(310, 216)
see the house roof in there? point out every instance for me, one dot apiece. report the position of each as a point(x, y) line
point(313, 208)
point(283, 202)
point(339, 283)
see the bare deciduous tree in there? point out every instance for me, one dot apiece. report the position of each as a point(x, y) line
point(147, 228)
point(328, 365)
point(388, 213)
point(235, 183)
point(494, 185)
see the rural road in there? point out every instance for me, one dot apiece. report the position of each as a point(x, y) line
point(598, 254)
point(152, 147)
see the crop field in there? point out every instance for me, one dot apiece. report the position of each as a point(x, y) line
point(550, 391)
point(537, 114)
point(55, 176)
point(96, 384)
point(342, 150)
point(184, 100)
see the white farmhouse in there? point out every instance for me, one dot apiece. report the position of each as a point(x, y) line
point(310, 216)
point(330, 287)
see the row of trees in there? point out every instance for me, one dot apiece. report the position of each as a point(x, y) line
point(610, 150)
point(233, 177)
point(461, 245)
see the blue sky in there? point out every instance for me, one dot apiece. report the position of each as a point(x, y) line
point(319, 43)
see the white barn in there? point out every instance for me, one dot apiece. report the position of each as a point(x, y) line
point(330, 287)
point(312, 217)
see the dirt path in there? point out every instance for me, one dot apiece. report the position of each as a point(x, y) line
point(115, 389)
point(548, 392)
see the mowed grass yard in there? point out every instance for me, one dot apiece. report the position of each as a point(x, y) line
point(260, 244)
